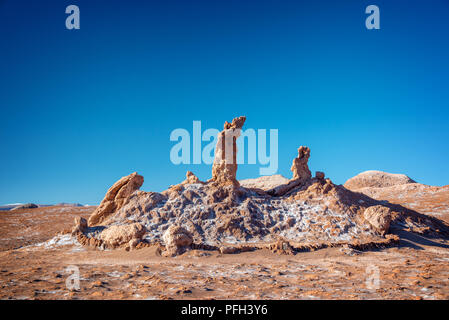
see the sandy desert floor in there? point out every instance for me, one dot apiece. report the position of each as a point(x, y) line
point(35, 263)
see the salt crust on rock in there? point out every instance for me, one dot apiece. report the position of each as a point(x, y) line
point(302, 213)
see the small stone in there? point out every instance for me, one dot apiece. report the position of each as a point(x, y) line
point(319, 175)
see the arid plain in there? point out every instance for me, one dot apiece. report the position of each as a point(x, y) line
point(378, 236)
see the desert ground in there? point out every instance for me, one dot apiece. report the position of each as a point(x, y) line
point(36, 257)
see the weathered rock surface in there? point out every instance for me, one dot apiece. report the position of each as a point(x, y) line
point(301, 173)
point(116, 197)
point(265, 182)
point(224, 167)
point(398, 189)
point(300, 167)
point(80, 225)
point(177, 240)
point(118, 235)
point(191, 178)
point(379, 217)
point(376, 179)
point(303, 214)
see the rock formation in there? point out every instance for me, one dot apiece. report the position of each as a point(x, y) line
point(376, 179)
point(191, 178)
point(264, 182)
point(224, 168)
point(401, 190)
point(300, 170)
point(119, 235)
point(116, 197)
point(299, 167)
point(80, 226)
point(177, 240)
point(303, 214)
point(379, 218)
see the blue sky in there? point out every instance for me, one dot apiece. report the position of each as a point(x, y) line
point(82, 108)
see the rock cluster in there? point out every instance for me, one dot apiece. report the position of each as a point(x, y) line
point(222, 215)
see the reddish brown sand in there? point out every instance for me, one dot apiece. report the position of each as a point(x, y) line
point(28, 226)
point(33, 269)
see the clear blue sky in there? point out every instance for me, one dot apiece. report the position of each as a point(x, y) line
point(81, 108)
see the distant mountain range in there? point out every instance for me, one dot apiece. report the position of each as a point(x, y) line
point(11, 206)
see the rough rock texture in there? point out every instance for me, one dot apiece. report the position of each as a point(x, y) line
point(376, 179)
point(283, 189)
point(379, 217)
point(265, 182)
point(177, 240)
point(431, 200)
point(80, 225)
point(225, 216)
point(191, 178)
point(301, 174)
point(118, 235)
point(116, 197)
point(303, 214)
point(224, 167)
point(299, 167)
point(282, 247)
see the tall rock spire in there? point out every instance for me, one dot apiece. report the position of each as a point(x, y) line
point(224, 168)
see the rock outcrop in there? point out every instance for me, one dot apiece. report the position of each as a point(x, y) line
point(376, 179)
point(191, 178)
point(264, 182)
point(301, 173)
point(400, 189)
point(80, 226)
point(379, 217)
point(119, 235)
point(177, 239)
point(300, 167)
point(224, 168)
point(116, 197)
point(220, 214)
